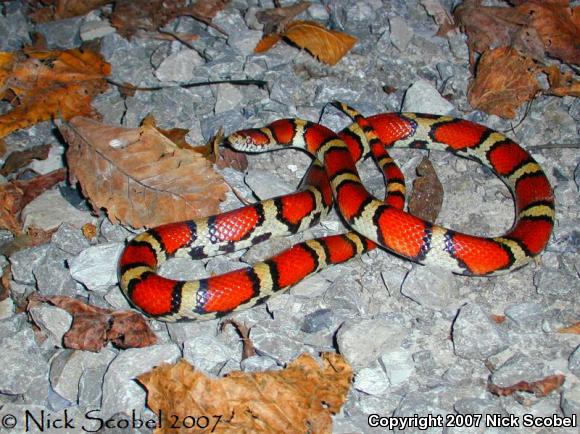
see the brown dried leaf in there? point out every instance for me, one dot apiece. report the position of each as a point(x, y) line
point(15, 195)
point(539, 388)
point(2, 147)
point(427, 197)
point(504, 81)
point(176, 135)
point(61, 9)
point(139, 176)
point(131, 16)
point(562, 84)
point(558, 26)
point(251, 402)
point(493, 27)
point(329, 46)
point(93, 327)
point(248, 349)
point(5, 283)
point(19, 159)
point(275, 20)
point(574, 328)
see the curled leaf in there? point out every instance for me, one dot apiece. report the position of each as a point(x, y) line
point(329, 46)
point(427, 196)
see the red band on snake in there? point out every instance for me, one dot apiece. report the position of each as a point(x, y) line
point(372, 221)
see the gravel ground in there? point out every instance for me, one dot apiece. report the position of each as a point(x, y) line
point(421, 342)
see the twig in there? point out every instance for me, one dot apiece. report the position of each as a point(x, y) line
point(556, 146)
point(249, 82)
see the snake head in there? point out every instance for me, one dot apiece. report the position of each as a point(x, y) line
point(251, 140)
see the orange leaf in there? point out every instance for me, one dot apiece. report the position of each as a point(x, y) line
point(562, 84)
point(49, 84)
point(300, 398)
point(329, 46)
point(539, 388)
point(504, 81)
point(267, 42)
point(574, 328)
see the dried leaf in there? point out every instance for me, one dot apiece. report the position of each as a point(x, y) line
point(504, 81)
point(267, 42)
point(275, 20)
point(562, 84)
point(494, 27)
point(443, 18)
point(558, 26)
point(93, 327)
point(329, 46)
point(32, 237)
point(139, 176)
point(20, 159)
point(427, 196)
point(498, 319)
point(300, 398)
point(539, 388)
point(131, 16)
point(49, 84)
point(2, 147)
point(50, 10)
point(574, 329)
point(89, 231)
point(15, 195)
point(176, 135)
point(5, 283)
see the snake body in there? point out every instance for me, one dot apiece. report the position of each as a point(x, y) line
point(374, 222)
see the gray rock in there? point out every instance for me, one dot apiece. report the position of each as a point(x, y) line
point(208, 353)
point(116, 299)
point(245, 41)
point(475, 336)
point(398, 364)
point(401, 34)
point(96, 267)
point(180, 66)
point(311, 287)
point(279, 346)
point(372, 381)
point(121, 393)
point(61, 33)
point(570, 403)
point(266, 185)
point(265, 250)
point(528, 316)
point(421, 403)
point(52, 275)
point(95, 29)
point(68, 366)
point(113, 233)
point(555, 283)
point(363, 341)
point(321, 319)
point(478, 406)
point(54, 160)
point(7, 308)
point(231, 121)
point(24, 261)
point(258, 364)
point(53, 321)
point(23, 367)
point(14, 27)
point(422, 97)
point(228, 97)
point(432, 288)
point(49, 210)
point(70, 239)
point(574, 362)
point(518, 368)
point(183, 269)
